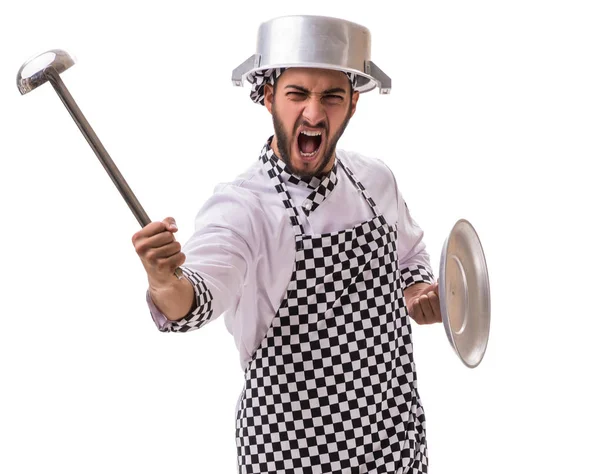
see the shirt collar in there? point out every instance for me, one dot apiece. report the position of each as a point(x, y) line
point(321, 186)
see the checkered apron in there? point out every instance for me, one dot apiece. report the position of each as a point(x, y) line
point(332, 386)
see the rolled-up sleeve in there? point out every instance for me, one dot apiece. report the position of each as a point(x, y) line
point(218, 259)
point(201, 313)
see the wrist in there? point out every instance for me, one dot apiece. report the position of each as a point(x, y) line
point(174, 298)
point(159, 286)
point(414, 290)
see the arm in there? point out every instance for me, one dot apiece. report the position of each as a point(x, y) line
point(417, 279)
point(216, 259)
point(200, 312)
point(420, 288)
point(413, 258)
point(174, 300)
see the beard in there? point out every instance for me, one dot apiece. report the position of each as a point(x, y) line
point(284, 142)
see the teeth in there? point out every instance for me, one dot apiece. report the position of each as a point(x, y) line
point(310, 133)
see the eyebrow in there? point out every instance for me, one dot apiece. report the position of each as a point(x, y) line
point(335, 90)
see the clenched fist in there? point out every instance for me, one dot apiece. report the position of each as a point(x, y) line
point(159, 252)
point(423, 303)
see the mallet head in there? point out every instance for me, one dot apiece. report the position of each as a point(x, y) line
point(32, 72)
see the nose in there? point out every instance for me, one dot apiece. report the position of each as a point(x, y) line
point(314, 112)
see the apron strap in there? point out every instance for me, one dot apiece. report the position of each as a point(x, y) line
point(275, 172)
point(362, 189)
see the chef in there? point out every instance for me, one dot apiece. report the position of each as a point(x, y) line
point(313, 260)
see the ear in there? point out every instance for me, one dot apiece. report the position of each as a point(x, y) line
point(355, 96)
point(269, 97)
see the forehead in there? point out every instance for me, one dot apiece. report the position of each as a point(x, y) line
point(314, 79)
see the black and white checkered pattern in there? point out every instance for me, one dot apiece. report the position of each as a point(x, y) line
point(260, 77)
point(311, 182)
point(408, 275)
point(276, 169)
point(202, 313)
point(332, 387)
point(415, 274)
point(319, 195)
point(279, 173)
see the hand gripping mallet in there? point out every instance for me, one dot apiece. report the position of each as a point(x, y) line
point(47, 67)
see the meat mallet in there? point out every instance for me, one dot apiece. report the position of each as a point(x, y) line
point(47, 67)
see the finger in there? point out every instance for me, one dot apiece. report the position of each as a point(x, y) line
point(170, 224)
point(164, 251)
point(434, 301)
point(148, 244)
point(168, 265)
point(159, 240)
point(416, 312)
point(432, 287)
point(148, 231)
point(426, 308)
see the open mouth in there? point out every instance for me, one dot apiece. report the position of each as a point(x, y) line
point(309, 143)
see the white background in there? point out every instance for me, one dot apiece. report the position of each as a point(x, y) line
point(494, 117)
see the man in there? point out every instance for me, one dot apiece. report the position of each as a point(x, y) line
point(313, 259)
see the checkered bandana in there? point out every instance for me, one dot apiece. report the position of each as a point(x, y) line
point(258, 79)
point(332, 388)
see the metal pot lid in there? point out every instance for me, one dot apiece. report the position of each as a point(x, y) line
point(315, 41)
point(464, 290)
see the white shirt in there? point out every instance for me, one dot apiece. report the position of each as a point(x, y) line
point(243, 246)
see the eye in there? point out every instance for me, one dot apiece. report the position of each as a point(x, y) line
point(296, 95)
point(333, 99)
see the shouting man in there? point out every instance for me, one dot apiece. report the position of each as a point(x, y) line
point(315, 263)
